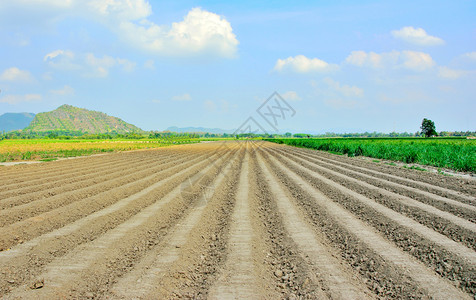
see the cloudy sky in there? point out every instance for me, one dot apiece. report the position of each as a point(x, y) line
point(341, 66)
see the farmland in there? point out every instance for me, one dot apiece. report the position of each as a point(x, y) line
point(40, 149)
point(234, 219)
point(456, 154)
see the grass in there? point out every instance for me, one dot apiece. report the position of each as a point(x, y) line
point(443, 173)
point(415, 168)
point(455, 154)
point(46, 149)
point(49, 159)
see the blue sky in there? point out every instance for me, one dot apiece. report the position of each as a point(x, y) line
point(341, 65)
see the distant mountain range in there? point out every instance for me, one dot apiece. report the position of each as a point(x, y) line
point(71, 118)
point(68, 117)
point(199, 130)
point(15, 121)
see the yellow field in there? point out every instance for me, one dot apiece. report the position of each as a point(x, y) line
point(14, 150)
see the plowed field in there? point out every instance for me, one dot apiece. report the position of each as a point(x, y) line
point(234, 220)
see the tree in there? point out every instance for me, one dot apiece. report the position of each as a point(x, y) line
point(288, 134)
point(428, 128)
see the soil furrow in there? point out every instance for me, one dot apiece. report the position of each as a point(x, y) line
point(408, 268)
point(458, 184)
point(446, 257)
point(234, 219)
point(142, 279)
point(70, 164)
point(456, 228)
point(339, 281)
point(423, 196)
point(18, 232)
point(41, 204)
point(28, 186)
point(422, 186)
point(79, 183)
point(91, 262)
point(275, 248)
point(204, 253)
point(32, 256)
point(237, 279)
point(66, 167)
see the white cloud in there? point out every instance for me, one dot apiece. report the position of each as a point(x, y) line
point(121, 10)
point(99, 67)
point(417, 61)
point(184, 97)
point(394, 100)
point(88, 64)
point(56, 53)
point(344, 90)
point(417, 36)
point(200, 32)
point(203, 30)
point(446, 89)
point(66, 90)
point(412, 60)
point(221, 106)
point(372, 59)
point(357, 58)
point(15, 74)
point(302, 64)
point(127, 65)
point(470, 56)
point(15, 99)
point(337, 95)
point(210, 105)
point(149, 64)
point(291, 96)
point(47, 76)
point(341, 103)
point(62, 60)
point(47, 3)
point(445, 72)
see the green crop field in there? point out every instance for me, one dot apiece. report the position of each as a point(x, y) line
point(456, 154)
point(41, 149)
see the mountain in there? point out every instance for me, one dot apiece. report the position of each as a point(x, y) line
point(68, 117)
point(199, 130)
point(15, 121)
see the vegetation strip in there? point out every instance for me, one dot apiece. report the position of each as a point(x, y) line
point(456, 154)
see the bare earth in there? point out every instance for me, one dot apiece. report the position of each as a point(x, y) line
point(234, 220)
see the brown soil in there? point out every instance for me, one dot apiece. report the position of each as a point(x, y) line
point(234, 220)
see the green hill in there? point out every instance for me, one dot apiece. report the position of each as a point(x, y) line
point(70, 118)
point(15, 121)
